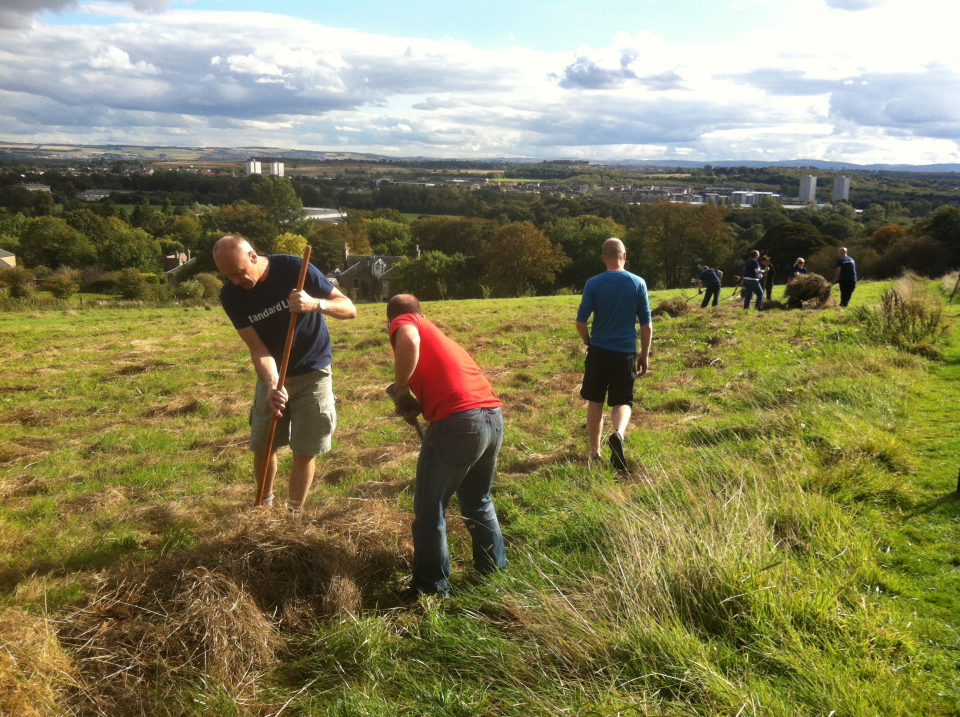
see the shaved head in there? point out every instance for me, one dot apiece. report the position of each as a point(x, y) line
point(613, 248)
point(238, 261)
point(403, 304)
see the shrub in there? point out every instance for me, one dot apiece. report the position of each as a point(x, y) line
point(191, 289)
point(62, 284)
point(95, 280)
point(18, 281)
point(131, 284)
point(211, 284)
point(907, 317)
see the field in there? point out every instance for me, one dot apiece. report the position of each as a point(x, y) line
point(784, 543)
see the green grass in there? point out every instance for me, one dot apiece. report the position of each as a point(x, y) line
point(784, 543)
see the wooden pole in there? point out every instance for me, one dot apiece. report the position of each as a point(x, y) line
point(262, 487)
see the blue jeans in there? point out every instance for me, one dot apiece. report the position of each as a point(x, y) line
point(458, 455)
point(751, 288)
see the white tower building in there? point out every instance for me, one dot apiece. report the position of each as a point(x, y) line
point(276, 169)
point(253, 166)
point(841, 189)
point(808, 188)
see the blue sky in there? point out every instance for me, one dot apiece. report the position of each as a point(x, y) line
point(857, 81)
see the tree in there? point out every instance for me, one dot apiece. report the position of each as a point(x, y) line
point(43, 204)
point(62, 284)
point(944, 227)
point(452, 235)
point(131, 284)
point(211, 284)
point(280, 202)
point(387, 237)
point(249, 221)
point(788, 241)
point(52, 242)
point(424, 277)
point(329, 242)
point(520, 259)
point(290, 244)
point(874, 213)
point(842, 230)
point(886, 236)
point(131, 248)
point(676, 238)
point(581, 239)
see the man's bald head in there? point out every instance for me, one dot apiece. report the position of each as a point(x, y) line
point(403, 304)
point(842, 251)
point(238, 261)
point(613, 248)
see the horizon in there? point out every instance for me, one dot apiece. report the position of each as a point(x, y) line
point(609, 84)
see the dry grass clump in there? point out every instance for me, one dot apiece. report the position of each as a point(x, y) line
point(950, 283)
point(773, 304)
point(35, 672)
point(672, 307)
point(811, 288)
point(908, 317)
point(219, 612)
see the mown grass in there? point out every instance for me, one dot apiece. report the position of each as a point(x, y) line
point(782, 544)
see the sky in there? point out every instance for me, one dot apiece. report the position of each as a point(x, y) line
point(858, 81)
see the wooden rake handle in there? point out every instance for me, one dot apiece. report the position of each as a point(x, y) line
point(262, 487)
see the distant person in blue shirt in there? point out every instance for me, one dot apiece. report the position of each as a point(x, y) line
point(710, 278)
point(845, 276)
point(258, 299)
point(617, 300)
point(751, 280)
point(799, 269)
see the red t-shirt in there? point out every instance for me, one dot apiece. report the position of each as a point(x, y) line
point(446, 380)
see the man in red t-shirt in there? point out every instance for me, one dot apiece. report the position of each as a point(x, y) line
point(459, 451)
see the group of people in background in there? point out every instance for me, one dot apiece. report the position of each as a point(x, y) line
point(759, 275)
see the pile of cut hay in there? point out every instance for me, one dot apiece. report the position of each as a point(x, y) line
point(221, 612)
point(809, 288)
point(35, 672)
point(672, 307)
point(773, 304)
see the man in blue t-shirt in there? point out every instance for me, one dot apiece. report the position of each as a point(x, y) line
point(711, 279)
point(617, 300)
point(258, 300)
point(845, 276)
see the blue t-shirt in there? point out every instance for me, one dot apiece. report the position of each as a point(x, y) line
point(848, 268)
point(799, 269)
point(265, 308)
point(710, 276)
point(751, 270)
point(617, 300)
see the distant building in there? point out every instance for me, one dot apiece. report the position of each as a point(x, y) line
point(751, 199)
point(7, 259)
point(366, 277)
point(35, 187)
point(332, 216)
point(841, 189)
point(255, 167)
point(808, 188)
point(419, 185)
point(95, 195)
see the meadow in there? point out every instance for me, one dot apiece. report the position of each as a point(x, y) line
point(784, 543)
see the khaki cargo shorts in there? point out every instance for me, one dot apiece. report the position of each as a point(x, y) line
point(308, 421)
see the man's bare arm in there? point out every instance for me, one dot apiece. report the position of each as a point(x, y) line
point(406, 355)
point(584, 332)
point(336, 306)
point(643, 358)
point(265, 366)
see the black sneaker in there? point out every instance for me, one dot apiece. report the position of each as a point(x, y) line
point(617, 460)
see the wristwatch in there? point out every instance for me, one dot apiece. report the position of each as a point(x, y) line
point(322, 305)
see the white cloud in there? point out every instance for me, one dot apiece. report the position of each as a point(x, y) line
point(855, 5)
point(229, 78)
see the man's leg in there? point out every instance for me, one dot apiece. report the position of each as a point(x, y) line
point(301, 478)
point(594, 426)
point(706, 298)
point(258, 459)
point(448, 451)
point(476, 505)
point(716, 295)
point(746, 291)
point(621, 417)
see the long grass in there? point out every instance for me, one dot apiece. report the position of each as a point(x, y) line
point(756, 559)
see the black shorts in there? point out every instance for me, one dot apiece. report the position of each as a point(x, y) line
point(609, 374)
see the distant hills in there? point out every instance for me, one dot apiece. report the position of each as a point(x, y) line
point(154, 153)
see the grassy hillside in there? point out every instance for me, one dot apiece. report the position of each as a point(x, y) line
point(784, 543)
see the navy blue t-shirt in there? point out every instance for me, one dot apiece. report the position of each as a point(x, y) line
point(751, 270)
point(848, 268)
point(799, 269)
point(710, 276)
point(265, 308)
